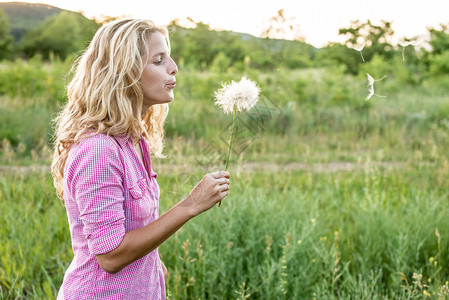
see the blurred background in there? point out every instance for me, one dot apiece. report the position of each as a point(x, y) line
point(354, 184)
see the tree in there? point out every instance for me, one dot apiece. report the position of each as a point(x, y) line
point(375, 39)
point(200, 46)
point(437, 61)
point(5, 37)
point(194, 46)
point(366, 33)
point(278, 51)
point(281, 27)
point(338, 54)
point(62, 34)
point(439, 39)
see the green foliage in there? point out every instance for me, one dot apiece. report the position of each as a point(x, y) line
point(353, 214)
point(371, 39)
point(34, 79)
point(30, 92)
point(439, 64)
point(221, 63)
point(199, 47)
point(330, 234)
point(367, 33)
point(62, 35)
point(376, 67)
point(439, 39)
point(26, 16)
point(339, 55)
point(4, 25)
point(5, 38)
point(35, 243)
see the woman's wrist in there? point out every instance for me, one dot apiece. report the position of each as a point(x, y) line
point(188, 204)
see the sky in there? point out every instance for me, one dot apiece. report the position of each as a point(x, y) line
point(318, 20)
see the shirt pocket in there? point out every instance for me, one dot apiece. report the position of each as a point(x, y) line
point(142, 205)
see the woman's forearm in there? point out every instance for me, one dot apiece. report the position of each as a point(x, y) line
point(139, 242)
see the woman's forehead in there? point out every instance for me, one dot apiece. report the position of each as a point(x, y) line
point(157, 43)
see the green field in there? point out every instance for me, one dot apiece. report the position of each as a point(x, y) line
point(361, 233)
point(332, 196)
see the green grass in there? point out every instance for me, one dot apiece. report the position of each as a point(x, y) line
point(376, 231)
point(282, 235)
point(35, 242)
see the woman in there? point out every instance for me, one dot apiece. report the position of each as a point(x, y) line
point(117, 103)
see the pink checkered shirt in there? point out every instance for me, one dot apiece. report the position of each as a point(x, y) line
point(108, 192)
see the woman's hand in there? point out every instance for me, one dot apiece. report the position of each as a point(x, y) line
point(208, 192)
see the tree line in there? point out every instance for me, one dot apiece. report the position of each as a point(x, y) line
point(67, 33)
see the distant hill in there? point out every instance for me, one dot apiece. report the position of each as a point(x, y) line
point(265, 53)
point(24, 16)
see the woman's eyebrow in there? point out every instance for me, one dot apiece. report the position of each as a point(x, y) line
point(160, 54)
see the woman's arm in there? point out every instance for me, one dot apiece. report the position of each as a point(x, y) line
point(138, 243)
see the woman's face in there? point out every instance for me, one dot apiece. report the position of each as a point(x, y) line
point(158, 77)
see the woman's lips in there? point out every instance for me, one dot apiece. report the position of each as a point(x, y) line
point(171, 85)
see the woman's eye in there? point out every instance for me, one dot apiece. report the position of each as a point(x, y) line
point(158, 62)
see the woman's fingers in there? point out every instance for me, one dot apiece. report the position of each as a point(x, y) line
point(210, 190)
point(222, 181)
point(223, 187)
point(221, 174)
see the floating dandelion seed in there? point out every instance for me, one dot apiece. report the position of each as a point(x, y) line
point(235, 97)
point(371, 81)
point(359, 49)
point(409, 43)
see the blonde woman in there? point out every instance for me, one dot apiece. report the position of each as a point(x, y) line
point(117, 103)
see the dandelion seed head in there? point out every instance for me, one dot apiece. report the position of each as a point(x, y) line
point(243, 95)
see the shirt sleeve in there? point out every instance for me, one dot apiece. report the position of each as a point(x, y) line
point(95, 181)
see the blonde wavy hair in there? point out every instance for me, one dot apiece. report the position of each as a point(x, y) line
point(105, 95)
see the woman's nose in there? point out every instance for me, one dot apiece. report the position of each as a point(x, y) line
point(173, 68)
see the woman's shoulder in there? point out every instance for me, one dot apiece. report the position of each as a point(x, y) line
point(95, 157)
point(98, 140)
point(96, 145)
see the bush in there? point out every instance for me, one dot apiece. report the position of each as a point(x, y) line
point(34, 79)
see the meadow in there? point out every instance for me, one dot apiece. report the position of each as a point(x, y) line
point(332, 196)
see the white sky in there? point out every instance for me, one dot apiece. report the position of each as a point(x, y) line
point(319, 20)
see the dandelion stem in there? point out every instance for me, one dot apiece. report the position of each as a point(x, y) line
point(230, 141)
point(232, 135)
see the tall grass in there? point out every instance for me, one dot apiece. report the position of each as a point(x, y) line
point(375, 231)
point(279, 235)
point(322, 109)
point(35, 242)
